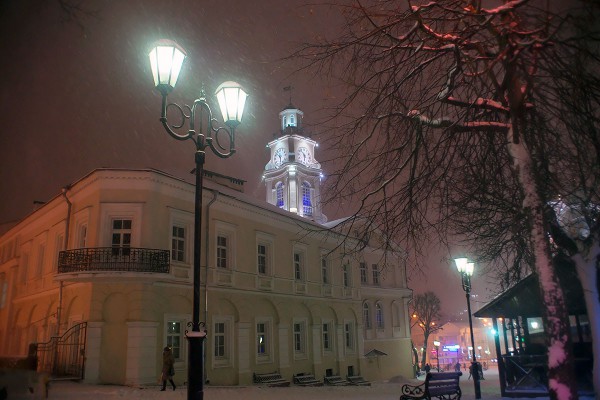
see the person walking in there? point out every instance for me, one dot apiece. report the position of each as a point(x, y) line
point(167, 368)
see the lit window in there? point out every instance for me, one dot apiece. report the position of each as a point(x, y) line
point(279, 193)
point(174, 338)
point(306, 199)
point(178, 243)
point(262, 339)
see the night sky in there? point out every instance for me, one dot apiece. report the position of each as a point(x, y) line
point(78, 94)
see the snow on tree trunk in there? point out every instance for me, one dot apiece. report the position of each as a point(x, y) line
point(561, 377)
point(588, 267)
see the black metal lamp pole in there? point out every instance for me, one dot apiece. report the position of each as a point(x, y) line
point(466, 270)
point(166, 59)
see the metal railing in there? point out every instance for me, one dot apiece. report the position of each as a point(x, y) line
point(109, 259)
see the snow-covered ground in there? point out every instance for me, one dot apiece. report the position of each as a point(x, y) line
point(390, 390)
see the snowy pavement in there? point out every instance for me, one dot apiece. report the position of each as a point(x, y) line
point(378, 391)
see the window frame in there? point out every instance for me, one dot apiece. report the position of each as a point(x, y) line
point(266, 240)
point(327, 336)
point(229, 231)
point(299, 266)
point(267, 354)
point(325, 269)
point(366, 308)
point(375, 275)
point(379, 317)
point(349, 337)
point(182, 320)
point(299, 338)
point(224, 360)
point(364, 273)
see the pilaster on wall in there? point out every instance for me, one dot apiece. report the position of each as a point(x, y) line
point(141, 353)
point(317, 345)
point(92, 352)
point(243, 329)
point(284, 355)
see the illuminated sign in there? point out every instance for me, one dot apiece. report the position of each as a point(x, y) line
point(451, 347)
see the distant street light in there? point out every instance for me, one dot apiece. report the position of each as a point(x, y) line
point(466, 271)
point(436, 343)
point(166, 59)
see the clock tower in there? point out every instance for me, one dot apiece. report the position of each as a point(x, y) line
point(293, 176)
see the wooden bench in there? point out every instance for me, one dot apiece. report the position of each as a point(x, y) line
point(358, 380)
point(335, 380)
point(443, 385)
point(306, 380)
point(273, 379)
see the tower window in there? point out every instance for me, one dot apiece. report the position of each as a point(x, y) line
point(279, 194)
point(306, 199)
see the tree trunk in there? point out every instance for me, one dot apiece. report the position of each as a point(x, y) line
point(588, 271)
point(561, 377)
point(424, 355)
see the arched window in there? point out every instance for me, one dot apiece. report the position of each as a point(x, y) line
point(379, 315)
point(279, 193)
point(366, 316)
point(306, 199)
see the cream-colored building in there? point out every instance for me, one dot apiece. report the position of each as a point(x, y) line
point(106, 267)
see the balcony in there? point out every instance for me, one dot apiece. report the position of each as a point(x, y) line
point(113, 259)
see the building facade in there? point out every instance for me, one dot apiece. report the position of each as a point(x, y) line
point(112, 255)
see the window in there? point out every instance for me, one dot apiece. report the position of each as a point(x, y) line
point(366, 316)
point(3, 289)
point(219, 340)
point(174, 338)
point(121, 237)
point(306, 199)
point(40, 260)
point(379, 315)
point(82, 236)
point(349, 336)
point(346, 275)
point(24, 266)
point(299, 338)
point(262, 340)
point(375, 274)
point(224, 243)
point(298, 266)
point(261, 254)
point(279, 194)
point(222, 251)
point(178, 243)
point(324, 269)
point(327, 335)
point(60, 244)
point(363, 273)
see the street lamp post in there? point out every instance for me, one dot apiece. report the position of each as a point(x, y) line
point(166, 59)
point(436, 343)
point(466, 271)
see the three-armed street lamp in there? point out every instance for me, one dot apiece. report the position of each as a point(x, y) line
point(466, 271)
point(436, 343)
point(166, 59)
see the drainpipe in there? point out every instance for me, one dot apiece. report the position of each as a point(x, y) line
point(206, 244)
point(65, 246)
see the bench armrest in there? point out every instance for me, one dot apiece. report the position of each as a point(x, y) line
point(413, 391)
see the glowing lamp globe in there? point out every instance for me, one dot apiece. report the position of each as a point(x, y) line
point(232, 99)
point(166, 59)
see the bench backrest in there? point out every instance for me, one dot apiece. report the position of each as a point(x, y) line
point(442, 382)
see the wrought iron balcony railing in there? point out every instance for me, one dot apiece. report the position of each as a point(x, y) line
point(113, 259)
